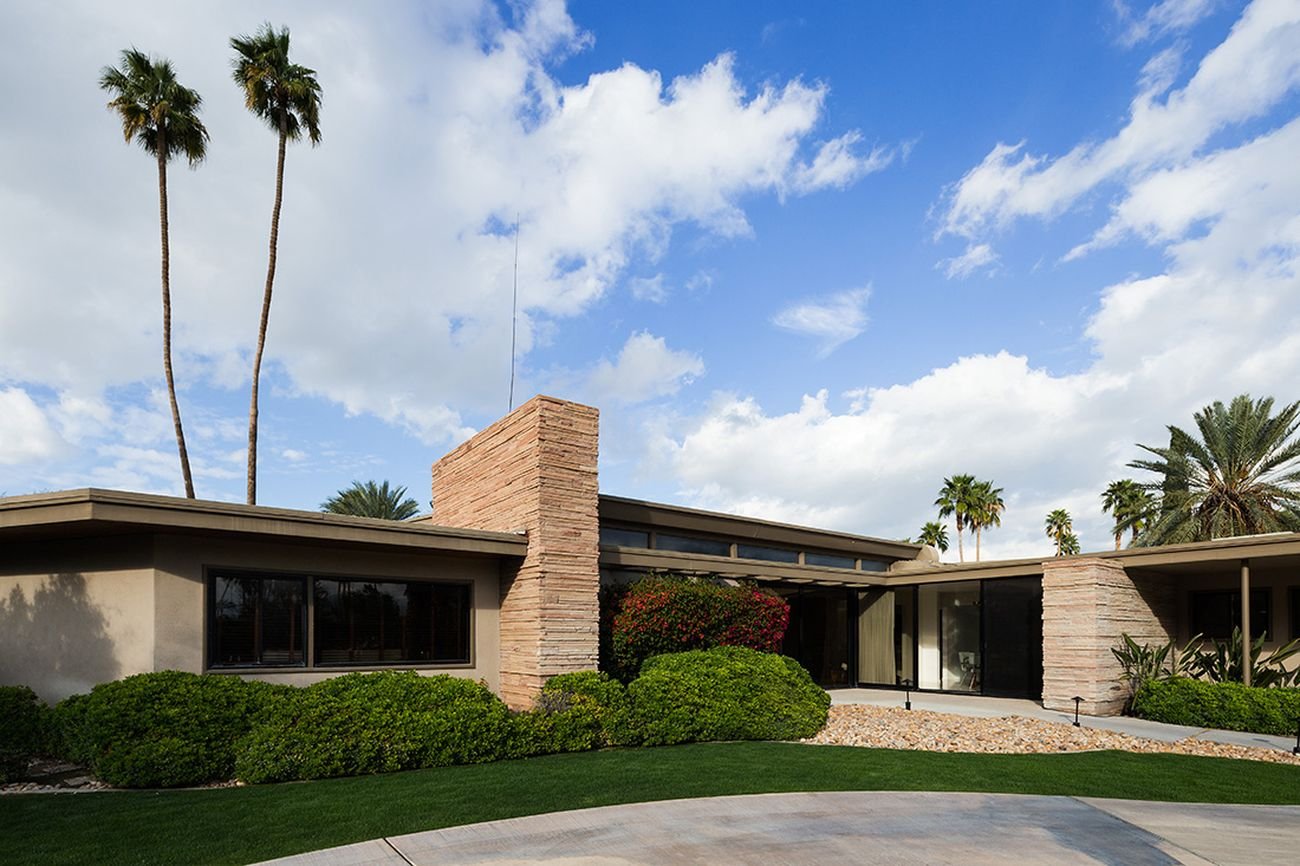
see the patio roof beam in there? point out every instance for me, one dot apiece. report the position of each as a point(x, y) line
point(1245, 622)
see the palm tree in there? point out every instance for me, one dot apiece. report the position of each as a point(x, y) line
point(372, 500)
point(1130, 504)
point(1241, 477)
point(287, 97)
point(955, 501)
point(935, 535)
point(984, 509)
point(1059, 527)
point(162, 116)
point(1069, 545)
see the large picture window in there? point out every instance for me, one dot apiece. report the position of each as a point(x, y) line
point(385, 622)
point(260, 620)
point(257, 620)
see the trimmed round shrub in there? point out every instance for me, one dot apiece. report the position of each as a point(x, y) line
point(725, 693)
point(359, 724)
point(164, 729)
point(606, 697)
point(572, 725)
point(24, 721)
point(674, 614)
point(1224, 706)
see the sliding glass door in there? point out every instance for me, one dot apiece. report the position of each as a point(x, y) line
point(887, 636)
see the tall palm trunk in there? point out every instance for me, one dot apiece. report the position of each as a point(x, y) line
point(167, 315)
point(1119, 539)
point(978, 533)
point(266, 313)
point(961, 548)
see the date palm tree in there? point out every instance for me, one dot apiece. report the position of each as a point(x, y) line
point(372, 500)
point(1241, 476)
point(1069, 545)
point(935, 535)
point(287, 97)
point(955, 501)
point(162, 116)
point(1130, 505)
point(1060, 528)
point(985, 510)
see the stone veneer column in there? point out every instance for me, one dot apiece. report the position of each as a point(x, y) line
point(535, 469)
point(1087, 605)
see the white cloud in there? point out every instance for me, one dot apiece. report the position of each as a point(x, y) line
point(833, 320)
point(440, 125)
point(25, 432)
point(649, 288)
point(293, 455)
point(1160, 18)
point(977, 257)
point(645, 369)
point(1255, 67)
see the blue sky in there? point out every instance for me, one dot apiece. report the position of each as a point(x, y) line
point(808, 259)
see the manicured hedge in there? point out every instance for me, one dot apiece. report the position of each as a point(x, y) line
point(674, 614)
point(725, 693)
point(24, 722)
point(1226, 706)
point(375, 723)
point(606, 696)
point(162, 730)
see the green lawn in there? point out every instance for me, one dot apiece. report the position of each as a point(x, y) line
point(242, 825)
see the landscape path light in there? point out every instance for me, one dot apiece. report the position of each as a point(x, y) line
point(907, 696)
point(1077, 700)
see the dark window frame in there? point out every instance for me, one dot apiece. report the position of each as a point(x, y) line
point(718, 544)
point(210, 618)
point(1233, 597)
point(308, 578)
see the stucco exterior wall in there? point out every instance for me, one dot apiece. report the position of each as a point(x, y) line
point(73, 614)
point(535, 470)
point(1087, 605)
point(77, 613)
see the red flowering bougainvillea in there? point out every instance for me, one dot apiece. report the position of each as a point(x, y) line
point(676, 614)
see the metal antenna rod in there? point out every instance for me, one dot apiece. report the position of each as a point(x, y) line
point(514, 317)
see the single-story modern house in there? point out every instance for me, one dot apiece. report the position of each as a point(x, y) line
point(502, 584)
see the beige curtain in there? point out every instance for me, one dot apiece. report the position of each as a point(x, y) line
point(876, 663)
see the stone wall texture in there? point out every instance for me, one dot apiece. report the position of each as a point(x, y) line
point(1087, 605)
point(535, 470)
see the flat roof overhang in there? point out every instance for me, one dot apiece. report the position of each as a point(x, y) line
point(657, 515)
point(95, 512)
point(1275, 551)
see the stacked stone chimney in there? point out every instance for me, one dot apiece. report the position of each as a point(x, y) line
point(535, 470)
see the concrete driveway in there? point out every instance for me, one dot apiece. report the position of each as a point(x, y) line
point(854, 827)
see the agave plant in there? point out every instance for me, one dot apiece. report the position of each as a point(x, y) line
point(1222, 662)
point(1142, 663)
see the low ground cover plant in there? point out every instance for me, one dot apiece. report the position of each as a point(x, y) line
point(24, 730)
point(670, 613)
point(1226, 706)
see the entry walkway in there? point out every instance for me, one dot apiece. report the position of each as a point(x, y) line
point(853, 827)
point(982, 707)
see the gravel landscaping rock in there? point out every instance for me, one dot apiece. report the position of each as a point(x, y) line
point(896, 728)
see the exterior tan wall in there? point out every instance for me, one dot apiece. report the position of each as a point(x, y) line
point(73, 614)
point(181, 620)
point(535, 470)
point(1087, 605)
